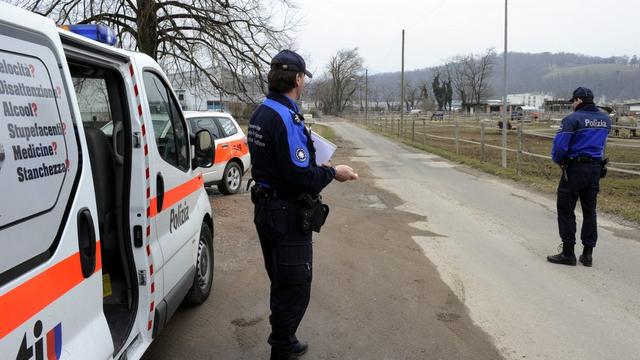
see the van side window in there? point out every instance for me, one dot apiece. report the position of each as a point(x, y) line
point(170, 132)
point(227, 126)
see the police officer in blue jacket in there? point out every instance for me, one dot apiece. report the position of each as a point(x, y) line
point(578, 148)
point(286, 197)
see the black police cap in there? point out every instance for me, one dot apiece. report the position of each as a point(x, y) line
point(582, 93)
point(288, 60)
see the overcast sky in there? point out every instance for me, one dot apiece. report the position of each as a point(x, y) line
point(439, 29)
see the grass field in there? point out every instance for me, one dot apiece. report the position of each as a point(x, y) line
point(619, 194)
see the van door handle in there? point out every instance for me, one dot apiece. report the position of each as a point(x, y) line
point(160, 192)
point(224, 146)
point(86, 242)
point(116, 134)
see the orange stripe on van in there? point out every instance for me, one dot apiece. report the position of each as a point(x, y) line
point(176, 194)
point(22, 303)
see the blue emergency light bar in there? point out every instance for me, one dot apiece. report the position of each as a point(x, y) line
point(97, 32)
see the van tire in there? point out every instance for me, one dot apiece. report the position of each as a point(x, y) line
point(231, 179)
point(201, 287)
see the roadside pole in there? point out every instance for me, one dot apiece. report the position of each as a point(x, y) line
point(504, 96)
point(366, 97)
point(401, 86)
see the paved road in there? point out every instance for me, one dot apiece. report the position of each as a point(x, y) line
point(489, 242)
point(375, 296)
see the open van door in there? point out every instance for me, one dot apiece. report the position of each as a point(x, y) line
point(51, 287)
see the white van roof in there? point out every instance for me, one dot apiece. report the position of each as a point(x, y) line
point(104, 47)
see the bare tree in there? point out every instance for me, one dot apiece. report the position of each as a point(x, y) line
point(479, 69)
point(375, 97)
point(345, 72)
point(469, 76)
point(455, 72)
point(391, 96)
point(411, 95)
point(188, 38)
point(319, 89)
point(426, 101)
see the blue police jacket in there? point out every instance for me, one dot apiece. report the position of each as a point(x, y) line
point(583, 133)
point(282, 152)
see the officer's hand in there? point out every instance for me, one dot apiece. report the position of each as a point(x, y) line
point(345, 173)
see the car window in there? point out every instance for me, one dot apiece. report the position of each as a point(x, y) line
point(206, 124)
point(227, 125)
point(170, 131)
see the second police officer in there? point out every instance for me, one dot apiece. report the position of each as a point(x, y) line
point(288, 206)
point(578, 148)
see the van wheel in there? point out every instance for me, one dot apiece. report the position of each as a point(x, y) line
point(231, 179)
point(203, 278)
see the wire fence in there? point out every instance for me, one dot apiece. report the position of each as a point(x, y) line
point(480, 138)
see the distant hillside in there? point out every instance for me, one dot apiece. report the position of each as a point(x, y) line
point(617, 78)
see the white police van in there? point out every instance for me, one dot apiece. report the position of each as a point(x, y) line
point(102, 236)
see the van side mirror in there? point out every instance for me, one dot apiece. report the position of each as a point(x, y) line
point(205, 150)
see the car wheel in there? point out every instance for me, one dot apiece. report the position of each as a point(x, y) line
point(231, 179)
point(201, 287)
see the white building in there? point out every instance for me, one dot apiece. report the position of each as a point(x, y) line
point(202, 96)
point(530, 100)
point(632, 106)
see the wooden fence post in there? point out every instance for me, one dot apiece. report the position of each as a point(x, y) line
point(519, 153)
point(413, 130)
point(457, 138)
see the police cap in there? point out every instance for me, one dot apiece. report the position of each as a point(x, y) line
point(288, 60)
point(582, 93)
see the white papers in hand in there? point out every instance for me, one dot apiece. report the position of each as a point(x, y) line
point(324, 148)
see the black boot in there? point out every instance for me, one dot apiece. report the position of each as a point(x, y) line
point(586, 258)
point(566, 257)
point(298, 350)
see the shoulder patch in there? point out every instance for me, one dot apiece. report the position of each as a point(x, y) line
point(301, 154)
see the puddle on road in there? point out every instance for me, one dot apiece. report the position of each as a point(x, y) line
point(361, 158)
point(424, 226)
point(419, 156)
point(626, 233)
point(371, 202)
point(367, 153)
point(439, 164)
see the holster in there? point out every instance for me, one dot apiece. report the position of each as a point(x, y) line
point(603, 167)
point(563, 165)
point(312, 213)
point(259, 194)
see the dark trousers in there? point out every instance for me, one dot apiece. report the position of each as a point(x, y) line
point(288, 257)
point(583, 183)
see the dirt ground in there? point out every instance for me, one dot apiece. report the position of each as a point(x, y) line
point(374, 295)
